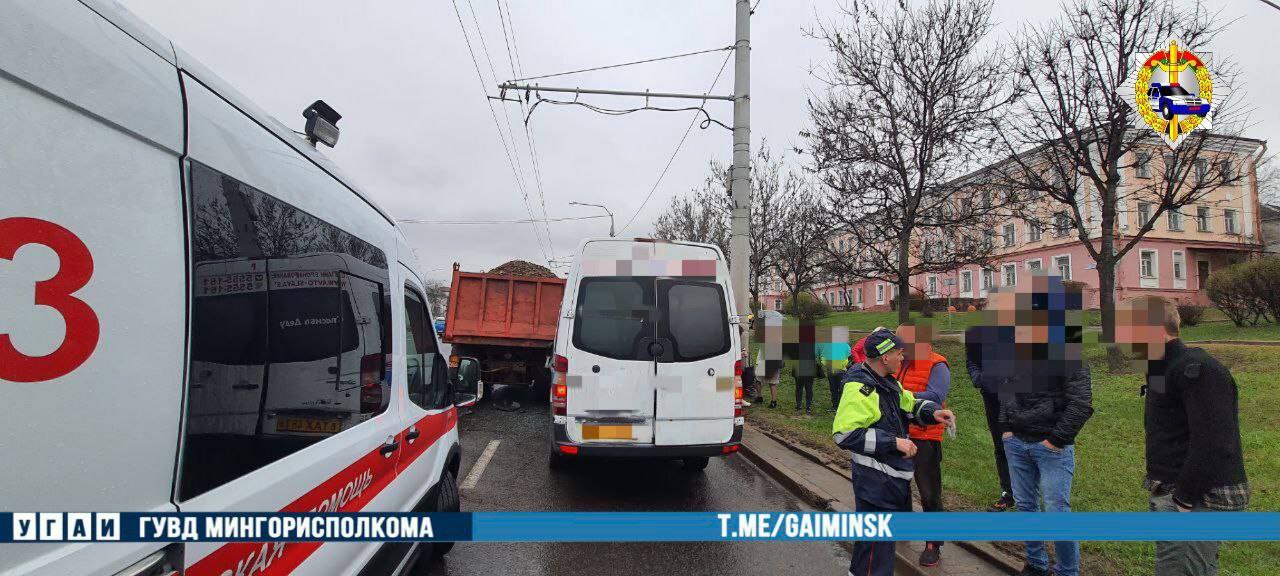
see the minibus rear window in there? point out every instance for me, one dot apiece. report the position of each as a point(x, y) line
point(242, 322)
point(309, 324)
point(694, 318)
point(614, 316)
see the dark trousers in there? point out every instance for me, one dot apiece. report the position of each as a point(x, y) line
point(991, 404)
point(872, 558)
point(928, 461)
point(835, 381)
point(804, 392)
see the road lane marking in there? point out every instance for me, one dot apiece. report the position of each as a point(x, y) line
point(473, 476)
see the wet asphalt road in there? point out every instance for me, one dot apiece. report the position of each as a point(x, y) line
point(517, 479)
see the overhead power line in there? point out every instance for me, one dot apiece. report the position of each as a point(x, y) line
point(494, 115)
point(522, 221)
point(676, 152)
point(610, 66)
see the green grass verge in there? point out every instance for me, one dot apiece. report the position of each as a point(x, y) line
point(1214, 326)
point(1109, 452)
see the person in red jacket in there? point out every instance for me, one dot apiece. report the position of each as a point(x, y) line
point(926, 374)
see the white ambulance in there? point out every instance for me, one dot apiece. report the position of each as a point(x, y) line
point(198, 312)
point(647, 360)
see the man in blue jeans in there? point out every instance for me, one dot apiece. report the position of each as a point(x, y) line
point(1043, 406)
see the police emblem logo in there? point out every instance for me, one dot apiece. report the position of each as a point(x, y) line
point(866, 389)
point(1172, 92)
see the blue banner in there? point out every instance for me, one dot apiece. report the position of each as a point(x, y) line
point(633, 526)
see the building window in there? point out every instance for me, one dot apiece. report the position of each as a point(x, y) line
point(777, 304)
point(879, 293)
point(1229, 221)
point(1148, 264)
point(1202, 219)
point(1202, 169)
point(1061, 223)
point(1034, 265)
point(1175, 220)
point(1144, 213)
point(988, 278)
point(1034, 231)
point(966, 282)
point(988, 239)
point(1227, 170)
point(1010, 235)
point(842, 245)
point(986, 199)
point(1010, 274)
point(858, 295)
point(933, 285)
point(1063, 265)
point(1144, 165)
point(1179, 269)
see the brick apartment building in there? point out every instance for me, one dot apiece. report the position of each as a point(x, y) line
point(1174, 259)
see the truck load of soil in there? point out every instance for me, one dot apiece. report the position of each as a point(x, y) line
point(523, 269)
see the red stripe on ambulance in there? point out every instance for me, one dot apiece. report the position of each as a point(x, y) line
point(347, 491)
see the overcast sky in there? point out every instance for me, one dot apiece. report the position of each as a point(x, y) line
point(417, 131)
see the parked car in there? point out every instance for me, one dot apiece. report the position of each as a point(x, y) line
point(646, 354)
point(232, 325)
point(1175, 99)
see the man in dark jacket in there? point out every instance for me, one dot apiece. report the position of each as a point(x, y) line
point(1194, 455)
point(1043, 406)
point(989, 359)
point(871, 422)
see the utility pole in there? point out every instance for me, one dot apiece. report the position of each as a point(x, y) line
point(740, 172)
point(740, 179)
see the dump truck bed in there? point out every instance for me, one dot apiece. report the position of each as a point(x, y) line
point(502, 310)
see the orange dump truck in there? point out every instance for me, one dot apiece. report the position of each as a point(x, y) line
point(507, 322)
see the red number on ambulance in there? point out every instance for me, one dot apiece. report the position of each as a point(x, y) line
point(75, 269)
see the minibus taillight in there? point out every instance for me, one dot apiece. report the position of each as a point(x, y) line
point(560, 386)
point(371, 383)
point(737, 389)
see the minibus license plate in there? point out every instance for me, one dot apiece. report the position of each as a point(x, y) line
point(607, 432)
point(300, 424)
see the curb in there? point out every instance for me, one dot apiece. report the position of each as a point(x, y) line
point(819, 499)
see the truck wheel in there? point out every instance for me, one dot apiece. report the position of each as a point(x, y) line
point(488, 391)
point(557, 462)
point(696, 463)
point(447, 500)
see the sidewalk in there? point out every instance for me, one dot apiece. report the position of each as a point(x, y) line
point(826, 487)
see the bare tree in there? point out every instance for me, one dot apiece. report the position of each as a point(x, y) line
point(797, 260)
point(908, 106)
point(1269, 180)
point(438, 296)
point(1072, 135)
point(703, 215)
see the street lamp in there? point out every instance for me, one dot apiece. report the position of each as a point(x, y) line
point(600, 207)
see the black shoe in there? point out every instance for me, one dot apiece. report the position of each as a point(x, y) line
point(931, 555)
point(1030, 570)
point(759, 400)
point(1003, 504)
point(773, 404)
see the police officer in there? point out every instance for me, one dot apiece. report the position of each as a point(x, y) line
point(871, 421)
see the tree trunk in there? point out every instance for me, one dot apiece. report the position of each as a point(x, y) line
point(904, 282)
point(1116, 360)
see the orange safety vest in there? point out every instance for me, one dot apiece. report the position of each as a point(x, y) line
point(914, 376)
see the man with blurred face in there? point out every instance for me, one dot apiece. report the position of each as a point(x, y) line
point(872, 422)
point(926, 375)
point(1193, 450)
point(989, 358)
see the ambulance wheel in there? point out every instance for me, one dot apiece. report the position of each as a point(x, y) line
point(696, 464)
point(447, 500)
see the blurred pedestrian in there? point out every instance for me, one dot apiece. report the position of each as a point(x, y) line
point(988, 352)
point(1043, 406)
point(926, 375)
point(871, 422)
point(1193, 451)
